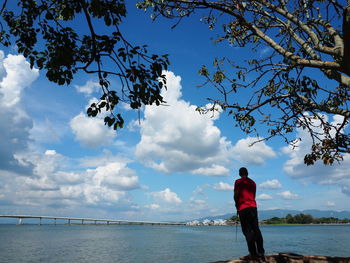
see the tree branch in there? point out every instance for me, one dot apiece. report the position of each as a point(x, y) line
point(346, 37)
point(324, 107)
point(298, 22)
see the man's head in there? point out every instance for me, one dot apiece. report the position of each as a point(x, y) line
point(243, 172)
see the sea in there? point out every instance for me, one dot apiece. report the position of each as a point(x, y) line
point(161, 243)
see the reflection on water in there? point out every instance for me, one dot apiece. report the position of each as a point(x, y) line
point(135, 243)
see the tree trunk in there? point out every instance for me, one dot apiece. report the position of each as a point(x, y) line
point(346, 39)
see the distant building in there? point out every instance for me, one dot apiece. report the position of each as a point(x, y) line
point(207, 222)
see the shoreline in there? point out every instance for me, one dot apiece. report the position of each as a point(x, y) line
point(312, 224)
point(286, 257)
point(167, 224)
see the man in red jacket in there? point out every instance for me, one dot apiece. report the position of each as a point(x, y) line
point(244, 196)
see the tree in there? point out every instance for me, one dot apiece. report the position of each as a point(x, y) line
point(51, 35)
point(307, 38)
point(303, 219)
point(275, 220)
point(234, 218)
point(289, 219)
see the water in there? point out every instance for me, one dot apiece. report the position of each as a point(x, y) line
point(163, 244)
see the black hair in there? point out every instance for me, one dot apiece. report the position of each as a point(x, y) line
point(243, 171)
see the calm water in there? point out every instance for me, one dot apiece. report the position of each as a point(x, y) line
point(127, 243)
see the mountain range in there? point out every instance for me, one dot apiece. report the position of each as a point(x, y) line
point(266, 214)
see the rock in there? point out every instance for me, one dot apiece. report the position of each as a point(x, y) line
point(292, 258)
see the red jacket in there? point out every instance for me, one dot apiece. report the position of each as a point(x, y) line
point(244, 193)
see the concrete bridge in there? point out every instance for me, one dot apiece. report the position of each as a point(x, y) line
point(80, 220)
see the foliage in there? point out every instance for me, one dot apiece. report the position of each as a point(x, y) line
point(303, 39)
point(305, 219)
point(234, 218)
point(62, 38)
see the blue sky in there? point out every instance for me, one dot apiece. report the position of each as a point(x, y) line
point(173, 164)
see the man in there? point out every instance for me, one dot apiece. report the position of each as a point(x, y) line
point(244, 196)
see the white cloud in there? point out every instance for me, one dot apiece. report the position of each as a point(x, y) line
point(95, 195)
point(50, 152)
point(247, 152)
point(336, 174)
point(152, 206)
point(115, 175)
point(55, 183)
point(167, 196)
point(176, 138)
point(88, 88)
point(214, 170)
point(288, 195)
point(45, 131)
point(221, 186)
point(214, 112)
point(19, 75)
point(200, 190)
point(15, 124)
point(104, 158)
point(91, 132)
point(271, 184)
point(264, 197)
point(330, 204)
point(134, 125)
point(198, 205)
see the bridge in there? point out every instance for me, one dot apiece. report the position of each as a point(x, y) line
point(77, 220)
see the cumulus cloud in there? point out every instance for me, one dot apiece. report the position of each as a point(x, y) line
point(247, 152)
point(32, 177)
point(264, 197)
point(88, 88)
point(271, 184)
point(221, 186)
point(176, 138)
point(336, 174)
point(91, 132)
point(166, 196)
point(288, 195)
point(55, 183)
point(15, 124)
point(115, 175)
point(18, 76)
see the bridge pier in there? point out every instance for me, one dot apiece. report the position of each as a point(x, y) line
point(40, 221)
point(55, 221)
point(20, 221)
point(68, 221)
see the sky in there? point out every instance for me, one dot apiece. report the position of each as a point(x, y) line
point(172, 164)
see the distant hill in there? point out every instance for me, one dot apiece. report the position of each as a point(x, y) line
point(266, 214)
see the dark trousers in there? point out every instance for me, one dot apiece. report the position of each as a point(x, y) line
point(251, 231)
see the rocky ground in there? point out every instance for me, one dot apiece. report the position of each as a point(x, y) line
point(291, 258)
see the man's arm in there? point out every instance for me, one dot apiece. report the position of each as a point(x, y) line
point(236, 194)
point(254, 189)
